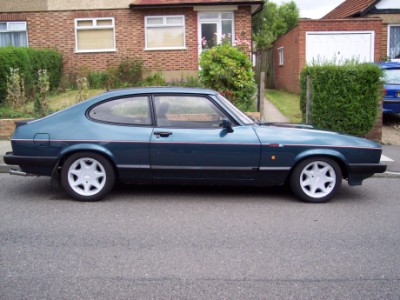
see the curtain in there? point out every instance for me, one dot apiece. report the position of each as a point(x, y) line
point(17, 39)
point(394, 51)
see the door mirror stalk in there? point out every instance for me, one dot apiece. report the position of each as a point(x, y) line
point(227, 124)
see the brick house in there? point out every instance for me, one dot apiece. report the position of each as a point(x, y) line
point(166, 35)
point(366, 30)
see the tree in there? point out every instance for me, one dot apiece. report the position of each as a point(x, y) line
point(273, 21)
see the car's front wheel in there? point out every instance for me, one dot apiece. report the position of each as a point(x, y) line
point(87, 176)
point(316, 180)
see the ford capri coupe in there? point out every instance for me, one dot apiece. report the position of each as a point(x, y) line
point(184, 136)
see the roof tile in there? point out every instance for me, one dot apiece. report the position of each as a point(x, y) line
point(350, 8)
point(190, 2)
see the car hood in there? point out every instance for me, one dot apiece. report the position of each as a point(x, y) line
point(300, 134)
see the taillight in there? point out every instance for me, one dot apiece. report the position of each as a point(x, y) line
point(384, 91)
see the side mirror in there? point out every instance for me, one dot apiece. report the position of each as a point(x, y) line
point(227, 124)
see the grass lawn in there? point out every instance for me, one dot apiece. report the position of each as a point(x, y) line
point(55, 103)
point(68, 98)
point(287, 103)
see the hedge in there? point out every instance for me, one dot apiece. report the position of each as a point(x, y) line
point(29, 61)
point(344, 98)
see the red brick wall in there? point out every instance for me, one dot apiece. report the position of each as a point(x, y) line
point(294, 42)
point(56, 30)
point(287, 75)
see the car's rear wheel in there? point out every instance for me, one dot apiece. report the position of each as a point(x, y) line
point(87, 176)
point(316, 179)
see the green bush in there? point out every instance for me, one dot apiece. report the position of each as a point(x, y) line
point(344, 98)
point(29, 61)
point(155, 79)
point(228, 70)
point(130, 72)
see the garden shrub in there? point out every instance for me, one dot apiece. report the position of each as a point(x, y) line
point(15, 97)
point(344, 98)
point(155, 79)
point(228, 70)
point(29, 61)
point(42, 93)
point(130, 71)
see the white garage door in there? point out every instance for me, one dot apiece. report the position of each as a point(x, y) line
point(337, 47)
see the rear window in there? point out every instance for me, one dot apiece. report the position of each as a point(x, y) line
point(392, 76)
point(129, 111)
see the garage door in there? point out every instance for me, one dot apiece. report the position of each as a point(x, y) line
point(339, 46)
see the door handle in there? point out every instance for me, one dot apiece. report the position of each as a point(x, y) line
point(162, 133)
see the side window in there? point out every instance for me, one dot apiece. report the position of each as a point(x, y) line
point(130, 111)
point(187, 112)
point(95, 35)
point(13, 34)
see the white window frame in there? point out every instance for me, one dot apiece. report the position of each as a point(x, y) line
point(217, 21)
point(281, 53)
point(25, 25)
point(165, 25)
point(94, 27)
point(388, 41)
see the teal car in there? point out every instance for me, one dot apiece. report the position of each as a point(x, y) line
point(184, 136)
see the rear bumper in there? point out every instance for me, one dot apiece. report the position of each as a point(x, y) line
point(391, 106)
point(38, 165)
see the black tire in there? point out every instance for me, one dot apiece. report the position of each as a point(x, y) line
point(87, 176)
point(316, 179)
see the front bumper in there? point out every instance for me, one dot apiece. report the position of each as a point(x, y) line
point(359, 172)
point(367, 168)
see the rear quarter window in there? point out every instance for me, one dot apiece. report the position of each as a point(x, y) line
point(128, 111)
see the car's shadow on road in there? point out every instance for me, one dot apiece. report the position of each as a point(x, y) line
point(40, 189)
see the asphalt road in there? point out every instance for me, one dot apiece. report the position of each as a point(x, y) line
point(198, 243)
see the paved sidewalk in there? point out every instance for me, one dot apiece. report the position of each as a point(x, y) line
point(391, 154)
point(272, 114)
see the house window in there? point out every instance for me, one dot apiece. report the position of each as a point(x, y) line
point(165, 32)
point(281, 56)
point(95, 35)
point(394, 42)
point(13, 34)
point(214, 28)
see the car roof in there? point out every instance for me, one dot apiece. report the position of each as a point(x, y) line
point(389, 65)
point(155, 90)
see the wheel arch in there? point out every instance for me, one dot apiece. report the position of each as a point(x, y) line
point(323, 153)
point(76, 148)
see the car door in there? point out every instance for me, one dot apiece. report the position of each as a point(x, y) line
point(188, 141)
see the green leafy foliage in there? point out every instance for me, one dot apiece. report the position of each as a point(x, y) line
point(228, 70)
point(29, 61)
point(273, 21)
point(42, 93)
point(344, 98)
point(130, 72)
point(15, 89)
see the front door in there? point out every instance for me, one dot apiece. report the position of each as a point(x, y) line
point(189, 143)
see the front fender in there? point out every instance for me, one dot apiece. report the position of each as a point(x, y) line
point(339, 157)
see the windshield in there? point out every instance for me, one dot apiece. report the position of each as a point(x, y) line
point(244, 119)
point(392, 76)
